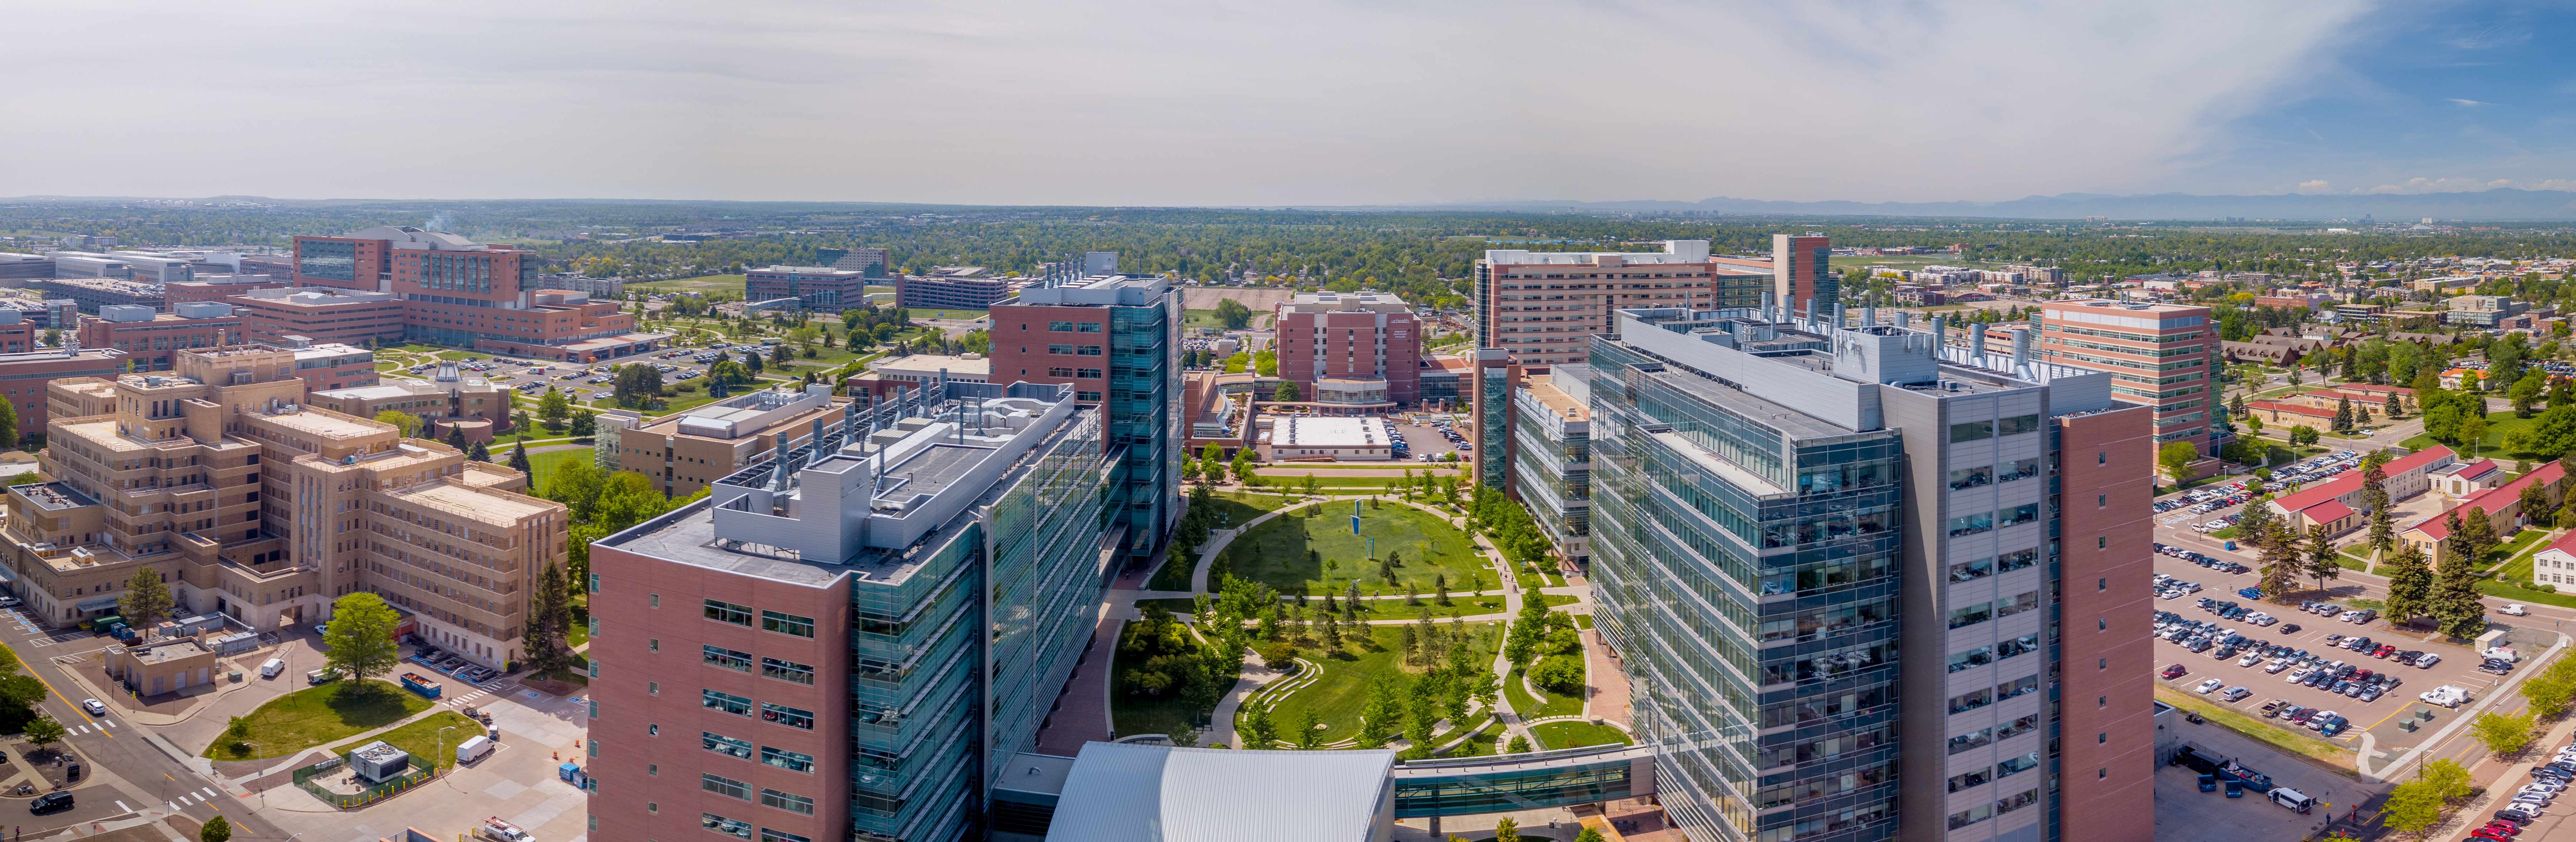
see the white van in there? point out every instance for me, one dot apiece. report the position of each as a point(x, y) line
point(473, 748)
point(2292, 799)
point(272, 668)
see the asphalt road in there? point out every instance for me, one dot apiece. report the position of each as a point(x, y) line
point(138, 775)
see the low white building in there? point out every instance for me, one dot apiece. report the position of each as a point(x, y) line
point(926, 368)
point(1293, 437)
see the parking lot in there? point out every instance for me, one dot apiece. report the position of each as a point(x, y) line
point(2216, 507)
point(2185, 814)
point(2384, 718)
point(1423, 438)
point(531, 376)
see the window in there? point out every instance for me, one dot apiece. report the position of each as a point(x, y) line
point(1969, 571)
point(1971, 614)
point(1087, 327)
point(2101, 457)
point(788, 802)
point(719, 656)
point(2101, 543)
point(2010, 689)
point(653, 644)
point(2018, 469)
point(2017, 727)
point(786, 671)
point(1972, 431)
point(1086, 396)
point(653, 688)
point(788, 760)
point(2020, 514)
point(724, 786)
point(768, 835)
point(727, 702)
point(1059, 325)
point(1972, 524)
point(1970, 816)
point(726, 612)
point(1091, 350)
point(784, 715)
point(2010, 562)
point(1976, 657)
point(2099, 739)
point(654, 599)
point(654, 769)
point(594, 583)
point(2017, 765)
point(1971, 701)
point(2101, 501)
point(1060, 349)
point(728, 827)
point(724, 745)
point(787, 624)
point(2016, 646)
point(2101, 624)
point(652, 729)
point(2016, 605)
point(1976, 777)
point(1971, 740)
point(1972, 477)
point(2017, 424)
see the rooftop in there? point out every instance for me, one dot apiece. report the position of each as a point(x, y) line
point(318, 296)
point(1675, 251)
point(53, 496)
point(329, 425)
point(164, 651)
point(955, 364)
point(1126, 792)
point(748, 414)
point(474, 503)
point(1362, 301)
point(1304, 431)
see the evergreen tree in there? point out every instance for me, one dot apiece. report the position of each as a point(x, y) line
point(2343, 416)
point(550, 624)
point(2374, 494)
point(2321, 558)
point(2410, 584)
point(2280, 561)
point(479, 452)
point(519, 461)
point(2476, 537)
point(2535, 503)
point(2455, 604)
point(146, 601)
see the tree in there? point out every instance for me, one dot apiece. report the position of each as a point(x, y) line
point(2175, 459)
point(2527, 391)
point(2410, 585)
point(2342, 422)
point(2473, 432)
point(1507, 831)
point(1257, 726)
point(361, 638)
point(2321, 557)
point(2535, 503)
point(1233, 314)
point(2455, 602)
point(2476, 537)
point(1287, 392)
point(402, 421)
point(479, 452)
point(2303, 434)
point(627, 498)
point(2501, 733)
point(8, 426)
point(2412, 807)
point(575, 483)
point(554, 408)
point(637, 385)
point(2374, 494)
point(519, 461)
point(1309, 729)
point(2280, 561)
point(2551, 690)
point(1589, 834)
point(146, 600)
point(43, 731)
point(218, 830)
point(585, 423)
point(1519, 744)
point(549, 624)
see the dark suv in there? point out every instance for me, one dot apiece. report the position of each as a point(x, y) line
point(50, 802)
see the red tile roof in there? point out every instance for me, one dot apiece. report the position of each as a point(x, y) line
point(2489, 501)
point(2350, 481)
point(2565, 544)
point(2292, 408)
point(2328, 512)
point(2476, 469)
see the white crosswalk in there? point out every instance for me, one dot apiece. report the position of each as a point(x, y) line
point(120, 807)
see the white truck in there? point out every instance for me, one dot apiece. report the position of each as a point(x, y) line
point(496, 830)
point(2448, 696)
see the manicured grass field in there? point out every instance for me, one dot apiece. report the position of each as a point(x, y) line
point(1276, 552)
point(2492, 444)
point(1341, 689)
point(313, 716)
point(947, 314)
point(1572, 734)
point(2278, 737)
point(422, 738)
point(1536, 704)
point(541, 465)
point(701, 283)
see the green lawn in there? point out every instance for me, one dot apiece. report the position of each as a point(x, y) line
point(541, 464)
point(1582, 621)
point(947, 314)
point(1535, 704)
point(422, 738)
point(2510, 549)
point(1338, 693)
point(2518, 567)
point(317, 715)
point(701, 283)
point(2492, 444)
point(1554, 600)
point(1276, 552)
point(2502, 590)
point(1572, 734)
point(2295, 742)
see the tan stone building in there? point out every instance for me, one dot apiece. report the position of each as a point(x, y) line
point(163, 666)
point(685, 452)
point(449, 394)
point(253, 505)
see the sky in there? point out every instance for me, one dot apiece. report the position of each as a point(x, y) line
point(1319, 102)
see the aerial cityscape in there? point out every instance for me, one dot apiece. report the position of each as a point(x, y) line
point(1269, 423)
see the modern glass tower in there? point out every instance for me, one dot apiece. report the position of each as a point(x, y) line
point(1859, 580)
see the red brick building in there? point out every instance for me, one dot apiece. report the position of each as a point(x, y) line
point(460, 293)
point(322, 315)
point(218, 287)
point(149, 339)
point(1350, 349)
point(2159, 355)
point(23, 378)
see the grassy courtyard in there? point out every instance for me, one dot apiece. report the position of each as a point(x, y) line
point(314, 716)
point(1534, 703)
point(701, 283)
point(1572, 734)
point(422, 738)
point(1341, 688)
point(1311, 550)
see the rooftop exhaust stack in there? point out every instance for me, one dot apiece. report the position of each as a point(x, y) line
point(2021, 348)
point(1869, 317)
point(1940, 331)
point(1977, 341)
point(1904, 319)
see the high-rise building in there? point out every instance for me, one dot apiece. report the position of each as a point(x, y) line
point(1540, 306)
point(1776, 504)
point(862, 630)
point(458, 292)
point(954, 288)
point(2163, 356)
point(1115, 339)
point(251, 505)
point(1551, 451)
point(1801, 271)
point(1350, 349)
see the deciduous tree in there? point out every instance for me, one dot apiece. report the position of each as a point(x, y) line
point(360, 638)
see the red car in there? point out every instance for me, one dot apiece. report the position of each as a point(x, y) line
point(2175, 671)
point(2385, 650)
point(2504, 827)
point(2490, 832)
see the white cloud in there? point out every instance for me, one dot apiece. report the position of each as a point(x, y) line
point(2314, 185)
point(2445, 185)
point(1211, 102)
point(2467, 103)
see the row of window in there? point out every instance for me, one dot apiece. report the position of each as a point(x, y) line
point(1982, 812)
point(2017, 469)
point(742, 830)
point(1077, 327)
point(1990, 521)
point(1982, 697)
point(1983, 736)
point(1075, 350)
point(731, 788)
point(1983, 655)
point(1981, 430)
point(740, 615)
point(789, 760)
point(740, 661)
point(1064, 371)
point(1972, 570)
point(719, 700)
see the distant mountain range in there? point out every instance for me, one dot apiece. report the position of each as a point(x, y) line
point(2492, 205)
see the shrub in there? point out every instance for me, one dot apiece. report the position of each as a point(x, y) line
point(1559, 674)
point(1279, 655)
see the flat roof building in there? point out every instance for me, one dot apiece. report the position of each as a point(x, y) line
point(1116, 340)
point(449, 394)
point(150, 339)
point(218, 287)
point(322, 314)
point(906, 587)
point(93, 293)
point(1350, 349)
point(925, 368)
point(684, 452)
point(1303, 437)
point(461, 293)
point(813, 287)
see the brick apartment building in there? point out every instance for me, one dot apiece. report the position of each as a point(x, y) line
point(254, 506)
point(2163, 356)
point(465, 294)
point(321, 314)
